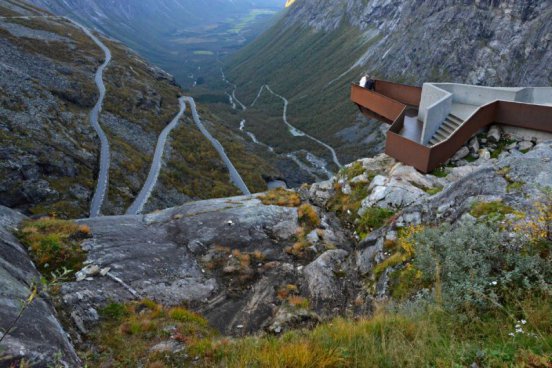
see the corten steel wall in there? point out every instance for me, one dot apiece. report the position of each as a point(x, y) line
point(408, 95)
point(381, 105)
point(523, 115)
point(404, 149)
point(426, 159)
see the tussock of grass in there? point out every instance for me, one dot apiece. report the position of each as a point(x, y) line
point(54, 244)
point(353, 171)
point(128, 332)
point(424, 338)
point(281, 197)
point(346, 206)
point(373, 218)
point(308, 217)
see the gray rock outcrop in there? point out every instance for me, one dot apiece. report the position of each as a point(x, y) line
point(37, 338)
point(224, 257)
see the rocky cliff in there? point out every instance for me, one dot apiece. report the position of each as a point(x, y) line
point(282, 260)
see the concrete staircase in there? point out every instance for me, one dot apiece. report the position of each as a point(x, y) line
point(449, 126)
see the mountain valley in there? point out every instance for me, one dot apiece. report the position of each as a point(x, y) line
point(202, 183)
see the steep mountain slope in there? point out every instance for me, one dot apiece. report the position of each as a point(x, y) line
point(49, 151)
point(178, 35)
point(320, 46)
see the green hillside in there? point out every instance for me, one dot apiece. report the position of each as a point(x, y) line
point(312, 70)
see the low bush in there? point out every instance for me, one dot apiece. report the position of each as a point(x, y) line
point(54, 244)
point(281, 197)
point(474, 268)
point(372, 219)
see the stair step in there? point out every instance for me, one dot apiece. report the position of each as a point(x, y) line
point(450, 125)
point(447, 129)
point(434, 141)
point(454, 123)
point(455, 118)
point(441, 135)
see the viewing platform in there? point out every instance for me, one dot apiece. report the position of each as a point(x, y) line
point(430, 124)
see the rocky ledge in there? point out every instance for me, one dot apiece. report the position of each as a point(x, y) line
point(249, 265)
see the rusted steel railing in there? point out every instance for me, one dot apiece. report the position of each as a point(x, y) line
point(408, 95)
point(383, 106)
point(390, 103)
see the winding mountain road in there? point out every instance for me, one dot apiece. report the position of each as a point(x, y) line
point(298, 133)
point(235, 177)
point(157, 162)
point(103, 176)
point(317, 163)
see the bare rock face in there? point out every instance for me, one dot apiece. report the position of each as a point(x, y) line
point(38, 337)
point(225, 258)
point(513, 31)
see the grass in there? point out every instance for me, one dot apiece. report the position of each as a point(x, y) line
point(54, 244)
point(433, 191)
point(128, 332)
point(501, 146)
point(308, 217)
point(373, 218)
point(346, 206)
point(494, 211)
point(440, 172)
point(425, 338)
point(356, 169)
point(281, 197)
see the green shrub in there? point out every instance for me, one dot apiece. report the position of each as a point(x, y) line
point(474, 267)
point(373, 218)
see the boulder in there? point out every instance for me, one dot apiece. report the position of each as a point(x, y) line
point(325, 277)
point(462, 153)
point(494, 134)
point(525, 145)
point(473, 145)
point(320, 193)
point(392, 193)
point(485, 154)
